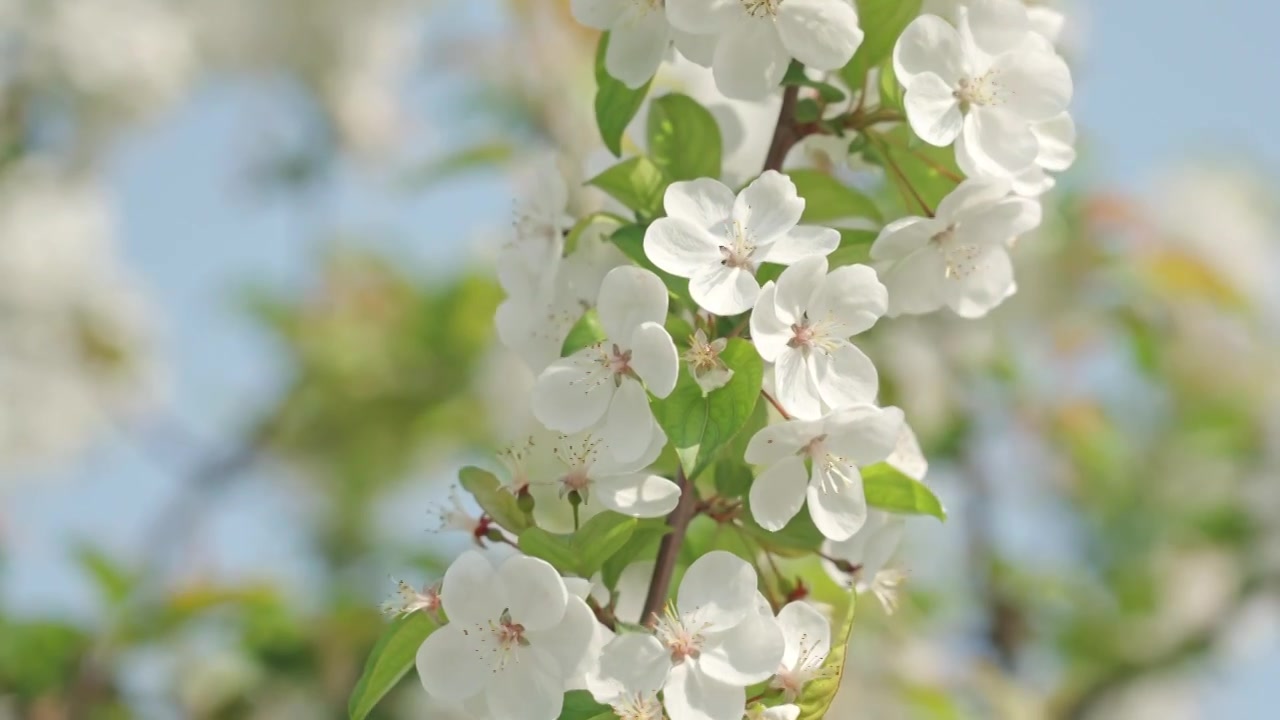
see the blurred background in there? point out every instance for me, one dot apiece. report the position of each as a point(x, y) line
point(246, 341)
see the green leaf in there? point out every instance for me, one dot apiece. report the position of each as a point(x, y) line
point(798, 538)
point(698, 425)
point(932, 171)
point(855, 247)
point(733, 475)
point(889, 489)
point(584, 552)
point(635, 182)
point(496, 502)
point(882, 21)
point(579, 705)
point(795, 75)
point(630, 240)
point(584, 333)
point(827, 199)
point(684, 139)
point(114, 582)
point(616, 104)
point(390, 659)
point(818, 694)
point(648, 533)
point(586, 223)
point(890, 89)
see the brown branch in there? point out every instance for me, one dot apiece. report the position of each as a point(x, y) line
point(665, 564)
point(785, 134)
point(776, 405)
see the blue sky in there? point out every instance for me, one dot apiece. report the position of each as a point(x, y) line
point(1156, 80)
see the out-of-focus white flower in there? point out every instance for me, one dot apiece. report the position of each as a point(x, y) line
point(862, 558)
point(364, 87)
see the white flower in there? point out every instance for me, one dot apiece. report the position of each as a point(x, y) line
point(705, 365)
point(639, 36)
point(410, 600)
point(758, 38)
point(986, 84)
point(959, 258)
point(602, 383)
point(802, 325)
point(587, 466)
point(777, 712)
point(454, 516)
point(863, 557)
point(713, 642)
point(835, 447)
point(808, 641)
point(718, 241)
point(515, 635)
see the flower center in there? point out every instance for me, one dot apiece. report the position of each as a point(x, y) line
point(738, 249)
point(578, 458)
point(638, 706)
point(807, 335)
point(808, 667)
point(961, 258)
point(761, 8)
point(816, 448)
point(679, 635)
point(981, 90)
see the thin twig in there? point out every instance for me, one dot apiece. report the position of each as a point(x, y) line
point(776, 405)
point(669, 549)
point(784, 134)
point(904, 182)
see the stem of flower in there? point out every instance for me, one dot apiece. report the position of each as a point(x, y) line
point(903, 182)
point(669, 549)
point(784, 134)
point(776, 405)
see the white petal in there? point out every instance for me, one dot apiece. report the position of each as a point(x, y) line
point(865, 434)
point(798, 243)
point(705, 203)
point(471, 592)
point(637, 661)
point(997, 143)
point(746, 654)
point(796, 285)
point(567, 641)
point(1057, 138)
point(999, 222)
point(781, 712)
point(599, 14)
point(678, 246)
point(933, 110)
point(525, 688)
point(769, 333)
point(654, 358)
point(1035, 84)
point(628, 427)
point(573, 393)
point(719, 588)
point(449, 666)
point(1047, 21)
point(778, 493)
point(638, 495)
point(928, 45)
point(846, 377)
point(904, 236)
point(691, 695)
point(852, 297)
point(807, 634)
point(972, 194)
point(822, 34)
point(700, 49)
point(997, 26)
point(914, 283)
point(629, 297)
point(838, 506)
point(883, 542)
point(725, 290)
point(749, 61)
point(907, 456)
point(703, 16)
point(794, 382)
point(636, 50)
point(769, 207)
point(775, 442)
point(985, 287)
point(536, 595)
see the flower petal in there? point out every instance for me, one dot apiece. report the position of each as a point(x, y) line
point(864, 433)
point(719, 588)
point(985, 287)
point(768, 208)
point(599, 14)
point(681, 248)
point(794, 381)
point(933, 110)
point(536, 595)
point(629, 297)
point(972, 194)
point(1057, 138)
point(725, 290)
point(769, 333)
point(798, 243)
point(772, 443)
point(914, 283)
point(807, 634)
point(654, 358)
point(573, 393)
point(837, 503)
point(996, 26)
point(928, 45)
point(636, 49)
point(691, 694)
point(637, 495)
point(998, 223)
point(822, 34)
point(1035, 82)
point(449, 666)
point(997, 143)
point(796, 285)
point(749, 60)
point(637, 661)
point(471, 592)
point(628, 427)
point(904, 236)
point(703, 16)
point(778, 493)
point(567, 641)
point(746, 654)
point(705, 203)
point(525, 688)
point(852, 298)
point(846, 377)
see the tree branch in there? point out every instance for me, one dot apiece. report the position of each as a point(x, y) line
point(785, 134)
point(665, 564)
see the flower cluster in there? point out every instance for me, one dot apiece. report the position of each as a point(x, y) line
point(694, 355)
